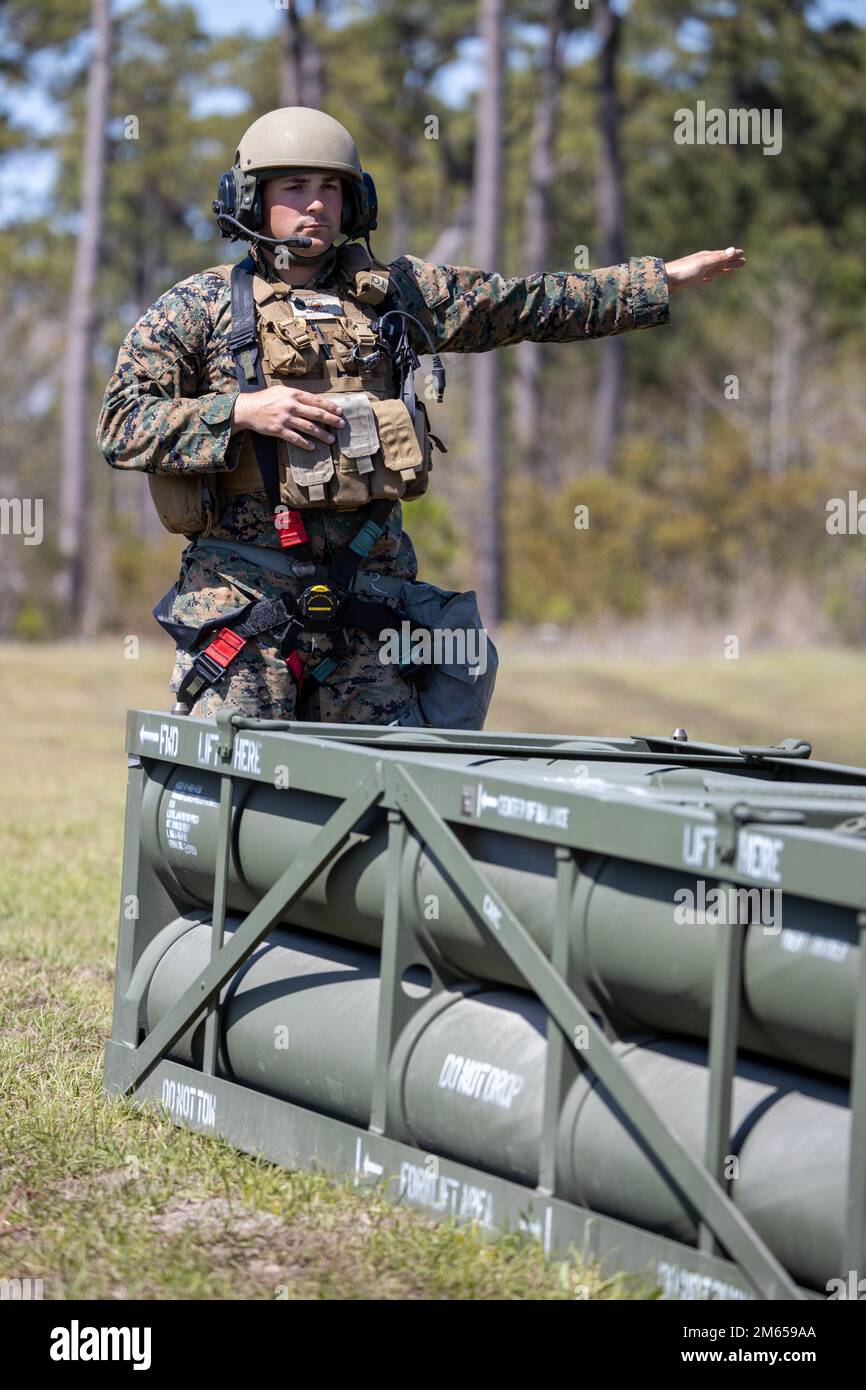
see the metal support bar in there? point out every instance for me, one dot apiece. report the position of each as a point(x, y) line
point(392, 963)
point(130, 900)
point(560, 1070)
point(218, 919)
point(855, 1211)
point(722, 1055)
point(686, 1172)
point(289, 886)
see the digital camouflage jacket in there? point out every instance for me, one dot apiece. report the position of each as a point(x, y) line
point(167, 408)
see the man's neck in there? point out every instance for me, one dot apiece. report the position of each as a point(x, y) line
point(299, 276)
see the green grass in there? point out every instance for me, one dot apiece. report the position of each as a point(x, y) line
point(102, 1200)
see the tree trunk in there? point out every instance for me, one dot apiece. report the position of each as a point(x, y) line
point(77, 431)
point(399, 227)
point(487, 217)
point(536, 236)
point(789, 334)
point(300, 61)
point(400, 221)
point(611, 384)
point(291, 79)
point(311, 64)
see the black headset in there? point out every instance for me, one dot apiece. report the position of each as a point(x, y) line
point(238, 205)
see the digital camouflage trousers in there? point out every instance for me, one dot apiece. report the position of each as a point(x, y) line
point(258, 684)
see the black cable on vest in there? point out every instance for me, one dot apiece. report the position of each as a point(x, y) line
point(438, 369)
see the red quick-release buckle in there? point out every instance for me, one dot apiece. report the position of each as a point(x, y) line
point(225, 647)
point(290, 528)
point(295, 665)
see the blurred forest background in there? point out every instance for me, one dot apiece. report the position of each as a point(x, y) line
point(507, 137)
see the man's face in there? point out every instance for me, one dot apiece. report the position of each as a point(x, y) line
point(305, 203)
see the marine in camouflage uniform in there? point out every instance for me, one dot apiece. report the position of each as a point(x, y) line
point(168, 410)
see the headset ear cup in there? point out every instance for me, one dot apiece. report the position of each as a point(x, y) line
point(350, 215)
point(360, 206)
point(225, 202)
point(370, 204)
point(226, 194)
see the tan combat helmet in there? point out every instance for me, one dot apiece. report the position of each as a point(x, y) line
point(293, 137)
point(297, 137)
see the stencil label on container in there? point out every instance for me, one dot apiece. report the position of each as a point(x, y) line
point(189, 1103)
point(480, 1080)
point(207, 749)
point(475, 801)
point(692, 1285)
point(167, 739)
point(760, 856)
point(180, 819)
point(426, 1187)
point(699, 845)
point(247, 755)
point(805, 943)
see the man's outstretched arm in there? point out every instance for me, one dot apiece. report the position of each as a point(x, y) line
point(469, 310)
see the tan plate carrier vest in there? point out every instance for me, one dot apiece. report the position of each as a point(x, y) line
point(386, 456)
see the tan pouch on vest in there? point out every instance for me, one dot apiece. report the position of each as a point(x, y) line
point(184, 503)
point(358, 439)
point(291, 349)
point(400, 451)
point(357, 444)
point(342, 345)
point(311, 468)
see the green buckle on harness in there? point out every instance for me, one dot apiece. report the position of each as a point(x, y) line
point(366, 538)
point(324, 669)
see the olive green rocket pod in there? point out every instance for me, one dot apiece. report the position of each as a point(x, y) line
point(299, 1021)
point(800, 974)
point(609, 991)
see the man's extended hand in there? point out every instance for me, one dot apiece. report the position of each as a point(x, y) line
point(283, 410)
point(701, 267)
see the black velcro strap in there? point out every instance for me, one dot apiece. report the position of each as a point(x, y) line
point(232, 617)
point(254, 617)
point(266, 614)
point(368, 614)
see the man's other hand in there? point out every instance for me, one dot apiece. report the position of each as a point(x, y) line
point(701, 267)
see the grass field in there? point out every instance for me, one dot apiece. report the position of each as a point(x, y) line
point(103, 1201)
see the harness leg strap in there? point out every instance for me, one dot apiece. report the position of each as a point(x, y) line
point(350, 611)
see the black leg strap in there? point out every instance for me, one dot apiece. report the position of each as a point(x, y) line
point(211, 664)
